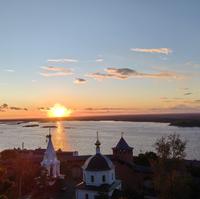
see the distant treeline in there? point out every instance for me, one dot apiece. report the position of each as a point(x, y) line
point(181, 119)
point(186, 123)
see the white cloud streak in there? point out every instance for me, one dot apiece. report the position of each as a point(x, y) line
point(62, 61)
point(99, 60)
point(9, 70)
point(165, 51)
point(52, 71)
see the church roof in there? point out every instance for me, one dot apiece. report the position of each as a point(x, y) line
point(98, 162)
point(122, 145)
point(50, 154)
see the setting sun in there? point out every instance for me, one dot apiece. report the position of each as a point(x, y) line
point(59, 110)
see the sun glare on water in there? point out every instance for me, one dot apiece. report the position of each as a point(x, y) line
point(59, 110)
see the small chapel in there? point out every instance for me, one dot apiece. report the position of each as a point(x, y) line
point(98, 177)
point(50, 161)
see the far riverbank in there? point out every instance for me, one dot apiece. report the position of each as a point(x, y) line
point(179, 119)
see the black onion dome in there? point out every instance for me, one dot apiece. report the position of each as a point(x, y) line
point(98, 162)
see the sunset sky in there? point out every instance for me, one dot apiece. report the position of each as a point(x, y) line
point(99, 56)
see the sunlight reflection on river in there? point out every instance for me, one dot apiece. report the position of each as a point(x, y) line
point(60, 137)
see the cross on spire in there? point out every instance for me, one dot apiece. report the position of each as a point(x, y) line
point(50, 131)
point(122, 134)
point(98, 143)
point(49, 135)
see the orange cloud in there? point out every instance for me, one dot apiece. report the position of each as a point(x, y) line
point(80, 81)
point(52, 71)
point(125, 73)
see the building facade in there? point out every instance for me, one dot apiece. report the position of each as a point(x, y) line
point(98, 177)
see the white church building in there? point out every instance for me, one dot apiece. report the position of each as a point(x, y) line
point(50, 161)
point(98, 177)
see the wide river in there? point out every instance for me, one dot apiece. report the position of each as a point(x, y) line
point(81, 135)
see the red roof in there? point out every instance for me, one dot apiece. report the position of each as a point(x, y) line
point(122, 145)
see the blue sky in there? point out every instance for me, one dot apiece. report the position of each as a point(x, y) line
point(82, 38)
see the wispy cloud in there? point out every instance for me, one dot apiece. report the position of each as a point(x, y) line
point(125, 73)
point(163, 98)
point(181, 100)
point(185, 108)
point(188, 93)
point(44, 109)
point(99, 60)
point(62, 61)
point(52, 71)
point(5, 107)
point(196, 101)
point(9, 70)
point(165, 51)
point(18, 108)
point(109, 109)
point(55, 69)
point(80, 81)
point(178, 108)
point(58, 74)
point(192, 64)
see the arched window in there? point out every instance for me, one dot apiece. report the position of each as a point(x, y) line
point(103, 178)
point(86, 196)
point(92, 178)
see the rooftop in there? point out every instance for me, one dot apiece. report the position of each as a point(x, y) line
point(98, 162)
point(122, 145)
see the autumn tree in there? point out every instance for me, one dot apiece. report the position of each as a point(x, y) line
point(169, 168)
point(171, 147)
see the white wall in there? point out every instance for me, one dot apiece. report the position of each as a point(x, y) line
point(80, 194)
point(109, 177)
